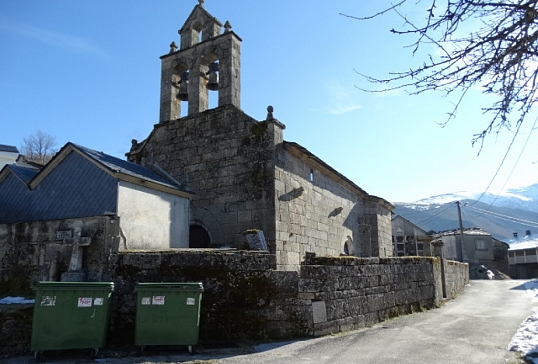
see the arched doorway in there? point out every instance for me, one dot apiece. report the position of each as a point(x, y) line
point(198, 237)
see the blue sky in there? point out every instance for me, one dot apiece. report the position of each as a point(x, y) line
point(89, 72)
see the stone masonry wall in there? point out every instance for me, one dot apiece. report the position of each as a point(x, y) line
point(244, 298)
point(318, 211)
point(350, 293)
point(227, 159)
point(313, 216)
point(42, 250)
point(456, 277)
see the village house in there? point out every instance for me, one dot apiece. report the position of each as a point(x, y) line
point(245, 176)
point(85, 205)
point(8, 155)
point(523, 255)
point(479, 249)
point(407, 238)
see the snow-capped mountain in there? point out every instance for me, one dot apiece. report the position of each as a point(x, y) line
point(525, 198)
point(515, 210)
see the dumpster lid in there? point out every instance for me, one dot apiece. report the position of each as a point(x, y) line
point(74, 285)
point(197, 286)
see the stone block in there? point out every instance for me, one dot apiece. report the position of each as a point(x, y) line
point(326, 328)
point(319, 312)
point(306, 296)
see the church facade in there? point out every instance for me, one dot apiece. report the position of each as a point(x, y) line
point(244, 175)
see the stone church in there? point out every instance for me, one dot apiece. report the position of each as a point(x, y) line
point(244, 175)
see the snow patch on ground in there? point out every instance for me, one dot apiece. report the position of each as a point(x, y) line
point(14, 300)
point(525, 340)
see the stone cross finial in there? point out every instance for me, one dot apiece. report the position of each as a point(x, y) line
point(270, 112)
point(173, 47)
point(201, 2)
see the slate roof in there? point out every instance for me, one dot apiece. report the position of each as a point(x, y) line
point(122, 166)
point(24, 173)
point(8, 148)
point(77, 182)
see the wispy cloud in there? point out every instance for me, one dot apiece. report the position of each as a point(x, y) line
point(56, 39)
point(341, 100)
point(343, 109)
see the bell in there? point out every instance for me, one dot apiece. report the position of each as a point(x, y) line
point(183, 93)
point(213, 82)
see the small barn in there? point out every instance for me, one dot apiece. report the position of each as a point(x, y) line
point(81, 207)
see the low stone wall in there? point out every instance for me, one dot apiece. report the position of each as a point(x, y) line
point(42, 250)
point(246, 299)
point(15, 329)
point(456, 277)
point(241, 299)
point(351, 293)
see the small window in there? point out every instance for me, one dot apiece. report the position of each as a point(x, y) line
point(481, 244)
point(311, 175)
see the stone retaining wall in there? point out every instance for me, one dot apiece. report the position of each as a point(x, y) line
point(361, 292)
point(246, 299)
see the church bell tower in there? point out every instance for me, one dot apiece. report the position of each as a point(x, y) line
point(208, 60)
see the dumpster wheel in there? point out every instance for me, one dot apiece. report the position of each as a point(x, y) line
point(37, 355)
point(94, 353)
point(191, 350)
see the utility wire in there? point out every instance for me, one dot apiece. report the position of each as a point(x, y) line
point(515, 164)
point(500, 165)
point(506, 217)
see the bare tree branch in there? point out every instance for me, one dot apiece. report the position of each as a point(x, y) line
point(39, 147)
point(500, 55)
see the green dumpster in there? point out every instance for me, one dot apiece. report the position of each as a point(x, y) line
point(168, 314)
point(70, 315)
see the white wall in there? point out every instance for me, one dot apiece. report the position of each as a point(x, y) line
point(7, 158)
point(151, 219)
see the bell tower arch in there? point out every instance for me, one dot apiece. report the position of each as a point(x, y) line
point(208, 60)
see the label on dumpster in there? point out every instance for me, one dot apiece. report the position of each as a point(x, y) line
point(85, 302)
point(158, 300)
point(48, 301)
point(191, 301)
point(146, 301)
point(98, 301)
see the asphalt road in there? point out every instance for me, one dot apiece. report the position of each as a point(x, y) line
point(476, 327)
